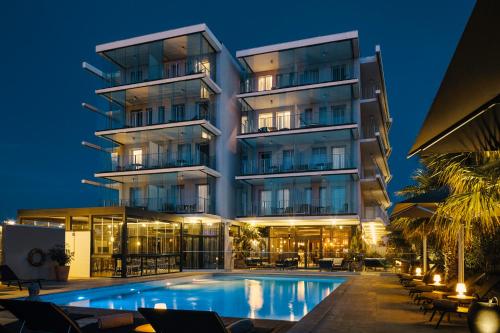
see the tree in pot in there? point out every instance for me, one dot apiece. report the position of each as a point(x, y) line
point(62, 258)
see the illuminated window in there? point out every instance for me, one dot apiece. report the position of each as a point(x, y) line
point(136, 158)
point(265, 82)
point(265, 120)
point(204, 93)
point(283, 120)
point(244, 124)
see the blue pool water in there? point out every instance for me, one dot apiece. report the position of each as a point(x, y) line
point(285, 298)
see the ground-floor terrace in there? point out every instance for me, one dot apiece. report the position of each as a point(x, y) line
point(365, 302)
point(126, 242)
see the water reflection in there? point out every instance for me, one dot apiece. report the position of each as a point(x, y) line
point(254, 295)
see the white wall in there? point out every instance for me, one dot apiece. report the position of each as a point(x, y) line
point(228, 121)
point(78, 242)
point(17, 242)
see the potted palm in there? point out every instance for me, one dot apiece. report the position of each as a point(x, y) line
point(62, 258)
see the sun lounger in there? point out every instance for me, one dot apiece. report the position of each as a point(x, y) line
point(8, 277)
point(189, 321)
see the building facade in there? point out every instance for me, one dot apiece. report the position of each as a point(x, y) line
point(291, 138)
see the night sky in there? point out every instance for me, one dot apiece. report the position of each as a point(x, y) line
point(43, 85)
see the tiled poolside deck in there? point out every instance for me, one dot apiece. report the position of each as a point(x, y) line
point(365, 303)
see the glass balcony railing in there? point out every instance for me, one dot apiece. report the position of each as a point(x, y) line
point(283, 121)
point(257, 82)
point(145, 73)
point(160, 115)
point(193, 205)
point(373, 212)
point(160, 161)
point(284, 165)
point(297, 208)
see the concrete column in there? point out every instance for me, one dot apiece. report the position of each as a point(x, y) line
point(424, 253)
point(461, 246)
point(228, 247)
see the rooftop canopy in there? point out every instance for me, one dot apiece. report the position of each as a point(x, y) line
point(465, 115)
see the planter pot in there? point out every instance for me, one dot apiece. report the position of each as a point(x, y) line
point(484, 317)
point(62, 273)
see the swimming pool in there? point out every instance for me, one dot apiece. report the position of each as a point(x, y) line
point(265, 297)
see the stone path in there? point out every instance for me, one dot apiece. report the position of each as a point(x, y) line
point(378, 304)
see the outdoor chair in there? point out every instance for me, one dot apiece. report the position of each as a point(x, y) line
point(48, 317)
point(447, 306)
point(325, 264)
point(449, 289)
point(189, 321)
point(337, 263)
point(8, 277)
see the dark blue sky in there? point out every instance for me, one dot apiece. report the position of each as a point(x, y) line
point(43, 85)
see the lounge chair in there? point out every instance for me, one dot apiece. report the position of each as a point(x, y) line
point(325, 264)
point(189, 321)
point(445, 306)
point(8, 277)
point(48, 317)
point(429, 296)
point(337, 263)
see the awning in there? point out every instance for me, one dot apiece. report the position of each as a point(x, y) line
point(465, 115)
point(423, 205)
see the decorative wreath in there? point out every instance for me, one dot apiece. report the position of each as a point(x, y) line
point(36, 257)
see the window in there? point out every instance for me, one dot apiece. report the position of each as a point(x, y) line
point(178, 112)
point(265, 202)
point(161, 114)
point(265, 83)
point(283, 120)
point(136, 118)
point(322, 200)
point(287, 160)
point(178, 196)
point(338, 113)
point(338, 157)
point(204, 66)
point(265, 121)
point(174, 69)
point(339, 199)
point(265, 161)
point(323, 115)
point(136, 76)
point(283, 199)
point(135, 197)
point(202, 197)
point(310, 76)
point(244, 125)
point(202, 111)
point(306, 118)
point(339, 72)
point(149, 116)
point(318, 157)
point(114, 160)
point(183, 154)
point(204, 93)
point(136, 158)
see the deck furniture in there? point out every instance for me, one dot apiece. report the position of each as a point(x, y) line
point(189, 321)
point(8, 277)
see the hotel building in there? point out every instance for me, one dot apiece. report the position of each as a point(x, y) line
point(291, 138)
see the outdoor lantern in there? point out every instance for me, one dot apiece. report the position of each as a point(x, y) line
point(161, 306)
point(437, 278)
point(484, 317)
point(418, 271)
point(461, 290)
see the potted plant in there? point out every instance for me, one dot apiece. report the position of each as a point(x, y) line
point(62, 258)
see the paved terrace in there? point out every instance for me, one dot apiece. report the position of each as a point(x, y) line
point(370, 302)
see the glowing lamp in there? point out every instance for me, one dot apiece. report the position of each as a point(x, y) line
point(437, 279)
point(461, 289)
point(418, 271)
point(162, 306)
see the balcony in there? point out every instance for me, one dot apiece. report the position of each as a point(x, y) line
point(297, 196)
point(296, 117)
point(375, 212)
point(282, 78)
point(296, 208)
point(178, 56)
point(195, 205)
point(309, 161)
point(138, 161)
point(160, 115)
